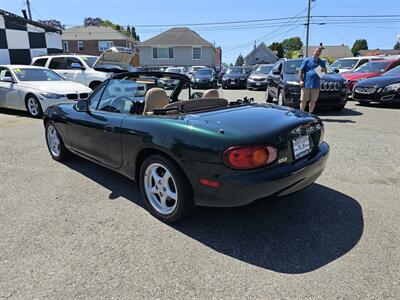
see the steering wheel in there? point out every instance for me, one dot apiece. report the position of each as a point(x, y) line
point(118, 104)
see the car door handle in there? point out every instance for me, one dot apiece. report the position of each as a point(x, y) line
point(109, 128)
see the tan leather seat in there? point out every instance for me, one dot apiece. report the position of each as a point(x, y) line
point(155, 98)
point(211, 94)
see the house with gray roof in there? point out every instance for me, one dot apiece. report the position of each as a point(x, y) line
point(178, 46)
point(335, 52)
point(260, 54)
point(384, 52)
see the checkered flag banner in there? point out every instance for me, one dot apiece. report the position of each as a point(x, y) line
point(22, 39)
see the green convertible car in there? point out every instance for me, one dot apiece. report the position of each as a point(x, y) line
point(187, 150)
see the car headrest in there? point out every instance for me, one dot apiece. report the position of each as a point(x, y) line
point(155, 98)
point(213, 93)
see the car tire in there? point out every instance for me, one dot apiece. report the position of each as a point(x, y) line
point(55, 144)
point(159, 177)
point(338, 108)
point(268, 97)
point(281, 97)
point(33, 106)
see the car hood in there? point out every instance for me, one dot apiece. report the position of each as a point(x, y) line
point(57, 87)
point(380, 81)
point(356, 76)
point(327, 77)
point(251, 123)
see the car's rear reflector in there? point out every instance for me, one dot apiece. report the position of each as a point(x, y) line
point(210, 183)
point(250, 157)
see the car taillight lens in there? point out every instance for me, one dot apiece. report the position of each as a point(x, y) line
point(250, 157)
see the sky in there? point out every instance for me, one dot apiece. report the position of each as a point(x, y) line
point(233, 38)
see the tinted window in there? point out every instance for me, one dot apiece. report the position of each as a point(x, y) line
point(57, 63)
point(33, 74)
point(4, 72)
point(73, 60)
point(41, 62)
point(292, 66)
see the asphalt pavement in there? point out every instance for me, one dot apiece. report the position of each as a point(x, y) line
point(77, 230)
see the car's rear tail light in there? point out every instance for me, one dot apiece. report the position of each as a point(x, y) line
point(250, 157)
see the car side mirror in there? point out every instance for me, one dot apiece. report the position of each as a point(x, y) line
point(77, 66)
point(82, 106)
point(7, 79)
point(197, 95)
point(276, 72)
point(336, 70)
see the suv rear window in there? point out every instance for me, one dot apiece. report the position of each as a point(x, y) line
point(57, 63)
point(41, 62)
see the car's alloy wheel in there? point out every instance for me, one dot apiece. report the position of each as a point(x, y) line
point(166, 190)
point(55, 144)
point(53, 140)
point(33, 107)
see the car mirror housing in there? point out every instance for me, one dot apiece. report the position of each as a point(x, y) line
point(276, 72)
point(82, 106)
point(7, 79)
point(336, 70)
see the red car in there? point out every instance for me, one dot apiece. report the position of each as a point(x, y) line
point(371, 69)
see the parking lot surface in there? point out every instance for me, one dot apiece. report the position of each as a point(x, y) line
point(77, 230)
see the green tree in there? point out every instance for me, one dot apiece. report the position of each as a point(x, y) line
point(293, 43)
point(239, 60)
point(359, 44)
point(292, 54)
point(397, 46)
point(231, 64)
point(277, 47)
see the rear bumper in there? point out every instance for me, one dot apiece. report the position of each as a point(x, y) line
point(236, 83)
point(243, 187)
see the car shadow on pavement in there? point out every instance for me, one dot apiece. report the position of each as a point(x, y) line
point(13, 112)
point(345, 112)
point(293, 234)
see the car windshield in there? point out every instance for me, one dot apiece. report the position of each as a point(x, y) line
point(347, 64)
point(235, 71)
point(393, 72)
point(373, 66)
point(31, 74)
point(89, 60)
point(293, 67)
point(173, 70)
point(264, 69)
point(204, 72)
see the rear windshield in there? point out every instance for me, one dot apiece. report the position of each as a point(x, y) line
point(373, 66)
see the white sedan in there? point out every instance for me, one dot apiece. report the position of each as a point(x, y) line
point(34, 88)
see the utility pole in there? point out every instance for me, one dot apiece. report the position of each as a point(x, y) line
point(29, 9)
point(308, 26)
